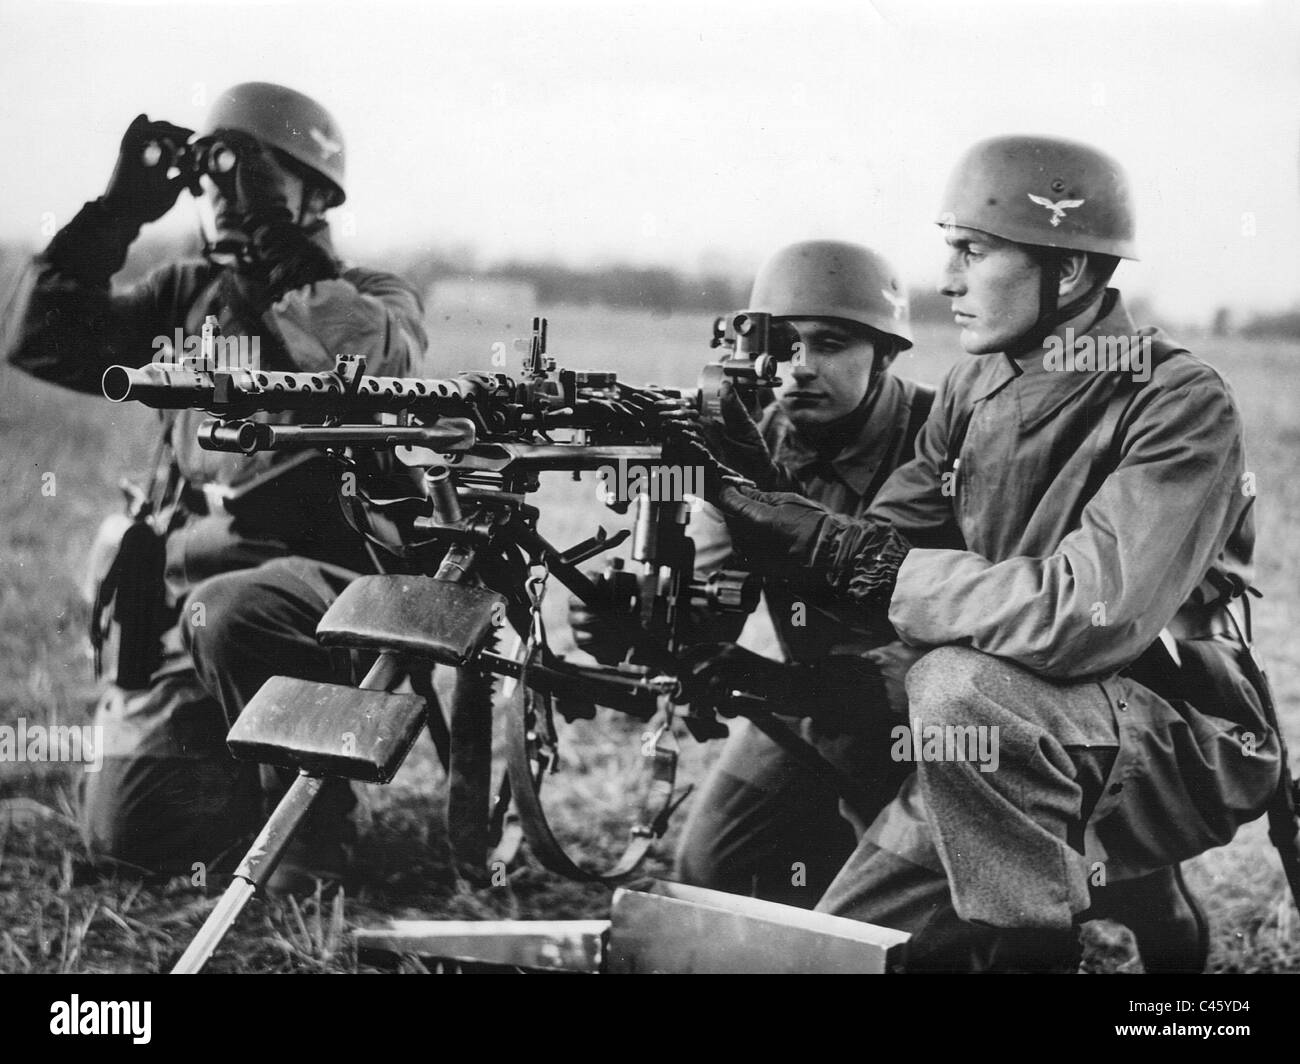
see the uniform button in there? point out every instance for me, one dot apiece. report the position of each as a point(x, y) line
point(1122, 704)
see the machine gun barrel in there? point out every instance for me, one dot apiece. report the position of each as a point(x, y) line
point(250, 437)
point(169, 387)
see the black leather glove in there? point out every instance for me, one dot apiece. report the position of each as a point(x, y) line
point(622, 416)
point(592, 632)
point(735, 440)
point(654, 408)
point(713, 674)
point(140, 187)
point(843, 693)
point(790, 537)
point(685, 443)
point(776, 531)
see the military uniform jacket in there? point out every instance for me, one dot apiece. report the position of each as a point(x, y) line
point(75, 323)
point(1077, 516)
point(1063, 537)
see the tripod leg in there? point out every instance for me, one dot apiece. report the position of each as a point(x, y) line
point(469, 794)
point(253, 871)
point(422, 685)
point(270, 844)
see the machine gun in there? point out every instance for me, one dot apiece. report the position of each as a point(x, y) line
point(479, 442)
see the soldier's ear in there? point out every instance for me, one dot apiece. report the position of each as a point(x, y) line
point(886, 352)
point(316, 200)
point(1074, 274)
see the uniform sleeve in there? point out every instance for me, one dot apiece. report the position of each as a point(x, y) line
point(1145, 540)
point(362, 312)
point(71, 325)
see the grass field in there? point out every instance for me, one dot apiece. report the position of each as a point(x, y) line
point(54, 917)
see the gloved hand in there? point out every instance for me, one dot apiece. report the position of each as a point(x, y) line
point(593, 633)
point(843, 692)
point(654, 408)
point(776, 531)
point(734, 439)
point(713, 673)
point(140, 186)
point(791, 537)
point(685, 443)
point(624, 415)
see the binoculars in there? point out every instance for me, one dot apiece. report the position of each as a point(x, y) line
point(210, 156)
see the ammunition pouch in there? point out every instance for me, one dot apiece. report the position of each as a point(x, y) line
point(1210, 678)
point(1214, 688)
point(128, 608)
point(321, 509)
point(293, 501)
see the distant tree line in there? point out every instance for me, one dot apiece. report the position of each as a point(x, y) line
point(654, 288)
point(658, 289)
point(1283, 326)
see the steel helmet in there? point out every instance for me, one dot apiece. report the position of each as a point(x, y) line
point(832, 279)
point(1043, 191)
point(288, 121)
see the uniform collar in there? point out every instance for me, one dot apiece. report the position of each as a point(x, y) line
point(857, 463)
point(1048, 390)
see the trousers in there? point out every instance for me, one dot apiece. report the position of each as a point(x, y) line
point(766, 826)
point(1085, 784)
point(169, 796)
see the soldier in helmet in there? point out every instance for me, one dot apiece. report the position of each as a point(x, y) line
point(841, 423)
point(169, 795)
point(1061, 552)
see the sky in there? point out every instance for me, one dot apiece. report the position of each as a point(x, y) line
point(698, 135)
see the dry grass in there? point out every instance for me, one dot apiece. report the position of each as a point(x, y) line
point(54, 917)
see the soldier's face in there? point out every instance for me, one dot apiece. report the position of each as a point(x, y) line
point(829, 378)
point(993, 285)
point(223, 208)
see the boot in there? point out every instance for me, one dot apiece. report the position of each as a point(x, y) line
point(1172, 932)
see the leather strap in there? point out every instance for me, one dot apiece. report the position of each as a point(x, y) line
point(470, 773)
point(527, 767)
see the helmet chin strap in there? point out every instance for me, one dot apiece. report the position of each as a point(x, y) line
point(1051, 313)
